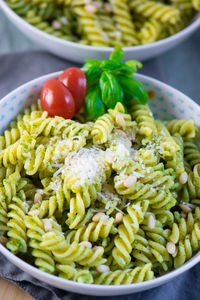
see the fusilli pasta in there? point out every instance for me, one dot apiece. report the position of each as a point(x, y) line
point(113, 201)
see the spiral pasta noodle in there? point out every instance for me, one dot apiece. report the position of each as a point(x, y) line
point(159, 11)
point(17, 229)
point(122, 17)
point(127, 276)
point(102, 128)
point(191, 189)
point(186, 246)
point(43, 258)
point(91, 27)
point(72, 273)
point(126, 232)
point(144, 119)
point(196, 4)
point(177, 163)
point(150, 31)
point(93, 231)
point(63, 252)
point(191, 152)
point(184, 128)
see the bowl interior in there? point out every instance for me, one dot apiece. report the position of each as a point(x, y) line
point(168, 103)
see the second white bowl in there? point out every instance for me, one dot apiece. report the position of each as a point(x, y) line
point(77, 52)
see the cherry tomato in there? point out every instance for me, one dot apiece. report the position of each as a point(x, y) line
point(74, 79)
point(57, 100)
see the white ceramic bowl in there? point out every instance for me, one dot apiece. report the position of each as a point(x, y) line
point(168, 103)
point(77, 52)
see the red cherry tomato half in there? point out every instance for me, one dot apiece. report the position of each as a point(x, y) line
point(57, 100)
point(74, 79)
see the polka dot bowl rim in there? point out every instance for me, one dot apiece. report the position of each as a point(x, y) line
point(15, 101)
point(77, 52)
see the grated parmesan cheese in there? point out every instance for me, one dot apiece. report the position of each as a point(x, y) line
point(121, 152)
point(86, 165)
point(136, 207)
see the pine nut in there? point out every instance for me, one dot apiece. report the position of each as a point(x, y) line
point(95, 248)
point(118, 217)
point(109, 157)
point(73, 161)
point(91, 8)
point(3, 240)
point(108, 188)
point(131, 136)
point(47, 225)
point(121, 133)
point(56, 25)
point(171, 248)
point(29, 202)
point(97, 4)
point(128, 143)
point(108, 7)
point(37, 198)
point(64, 20)
point(130, 180)
point(98, 216)
point(86, 244)
point(34, 212)
point(186, 209)
point(134, 155)
point(103, 268)
point(151, 222)
point(183, 215)
point(120, 120)
point(183, 178)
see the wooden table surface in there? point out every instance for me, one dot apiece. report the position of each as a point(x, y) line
point(9, 291)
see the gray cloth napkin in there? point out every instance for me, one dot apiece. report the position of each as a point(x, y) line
point(16, 69)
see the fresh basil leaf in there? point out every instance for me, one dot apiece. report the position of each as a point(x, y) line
point(129, 68)
point(119, 68)
point(109, 65)
point(133, 88)
point(117, 55)
point(92, 75)
point(94, 104)
point(134, 65)
point(127, 100)
point(92, 70)
point(91, 63)
point(111, 91)
point(125, 70)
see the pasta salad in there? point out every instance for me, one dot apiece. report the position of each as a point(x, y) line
point(108, 199)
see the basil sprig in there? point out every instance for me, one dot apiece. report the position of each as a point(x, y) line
point(94, 104)
point(111, 81)
point(111, 90)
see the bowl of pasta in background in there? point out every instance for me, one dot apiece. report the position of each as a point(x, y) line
point(77, 52)
point(168, 103)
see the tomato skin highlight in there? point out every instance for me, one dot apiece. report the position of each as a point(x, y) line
point(57, 100)
point(75, 80)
